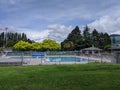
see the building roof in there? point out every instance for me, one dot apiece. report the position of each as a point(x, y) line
point(115, 35)
point(115, 48)
point(92, 49)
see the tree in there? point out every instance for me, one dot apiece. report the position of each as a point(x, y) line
point(47, 44)
point(95, 38)
point(74, 37)
point(76, 41)
point(2, 40)
point(51, 45)
point(10, 43)
point(24, 37)
point(36, 46)
point(22, 46)
point(9, 39)
point(101, 40)
point(107, 40)
point(68, 45)
point(87, 37)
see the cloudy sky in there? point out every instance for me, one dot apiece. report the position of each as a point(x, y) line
point(54, 19)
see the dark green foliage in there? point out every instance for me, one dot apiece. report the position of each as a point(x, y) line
point(107, 40)
point(61, 77)
point(75, 35)
point(101, 40)
point(73, 38)
point(95, 38)
point(24, 37)
point(9, 39)
point(87, 39)
point(68, 45)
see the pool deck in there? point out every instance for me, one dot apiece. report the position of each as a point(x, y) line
point(99, 59)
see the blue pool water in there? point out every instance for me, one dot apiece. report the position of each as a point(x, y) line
point(66, 59)
point(55, 58)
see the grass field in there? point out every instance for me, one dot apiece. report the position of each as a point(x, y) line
point(61, 77)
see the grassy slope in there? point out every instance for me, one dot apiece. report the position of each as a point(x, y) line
point(61, 77)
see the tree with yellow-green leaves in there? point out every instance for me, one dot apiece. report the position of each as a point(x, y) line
point(50, 45)
point(36, 46)
point(22, 46)
point(46, 45)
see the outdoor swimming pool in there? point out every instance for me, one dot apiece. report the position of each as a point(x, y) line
point(29, 60)
point(53, 58)
point(66, 59)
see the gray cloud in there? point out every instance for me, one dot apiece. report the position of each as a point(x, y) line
point(107, 24)
point(35, 15)
point(58, 32)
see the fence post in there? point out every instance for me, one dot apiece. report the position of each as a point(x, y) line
point(22, 58)
point(101, 58)
point(75, 59)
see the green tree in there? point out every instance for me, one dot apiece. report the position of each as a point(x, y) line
point(76, 41)
point(101, 40)
point(24, 37)
point(22, 46)
point(36, 46)
point(9, 39)
point(107, 40)
point(95, 38)
point(2, 40)
point(51, 45)
point(10, 43)
point(87, 37)
point(74, 37)
point(68, 45)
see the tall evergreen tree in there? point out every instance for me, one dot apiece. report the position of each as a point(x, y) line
point(9, 39)
point(87, 37)
point(95, 37)
point(24, 37)
point(76, 41)
point(107, 39)
point(74, 37)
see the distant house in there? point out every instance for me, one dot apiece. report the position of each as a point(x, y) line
point(91, 50)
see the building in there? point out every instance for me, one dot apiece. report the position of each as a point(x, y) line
point(91, 50)
point(115, 48)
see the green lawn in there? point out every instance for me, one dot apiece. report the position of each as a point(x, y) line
point(61, 77)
